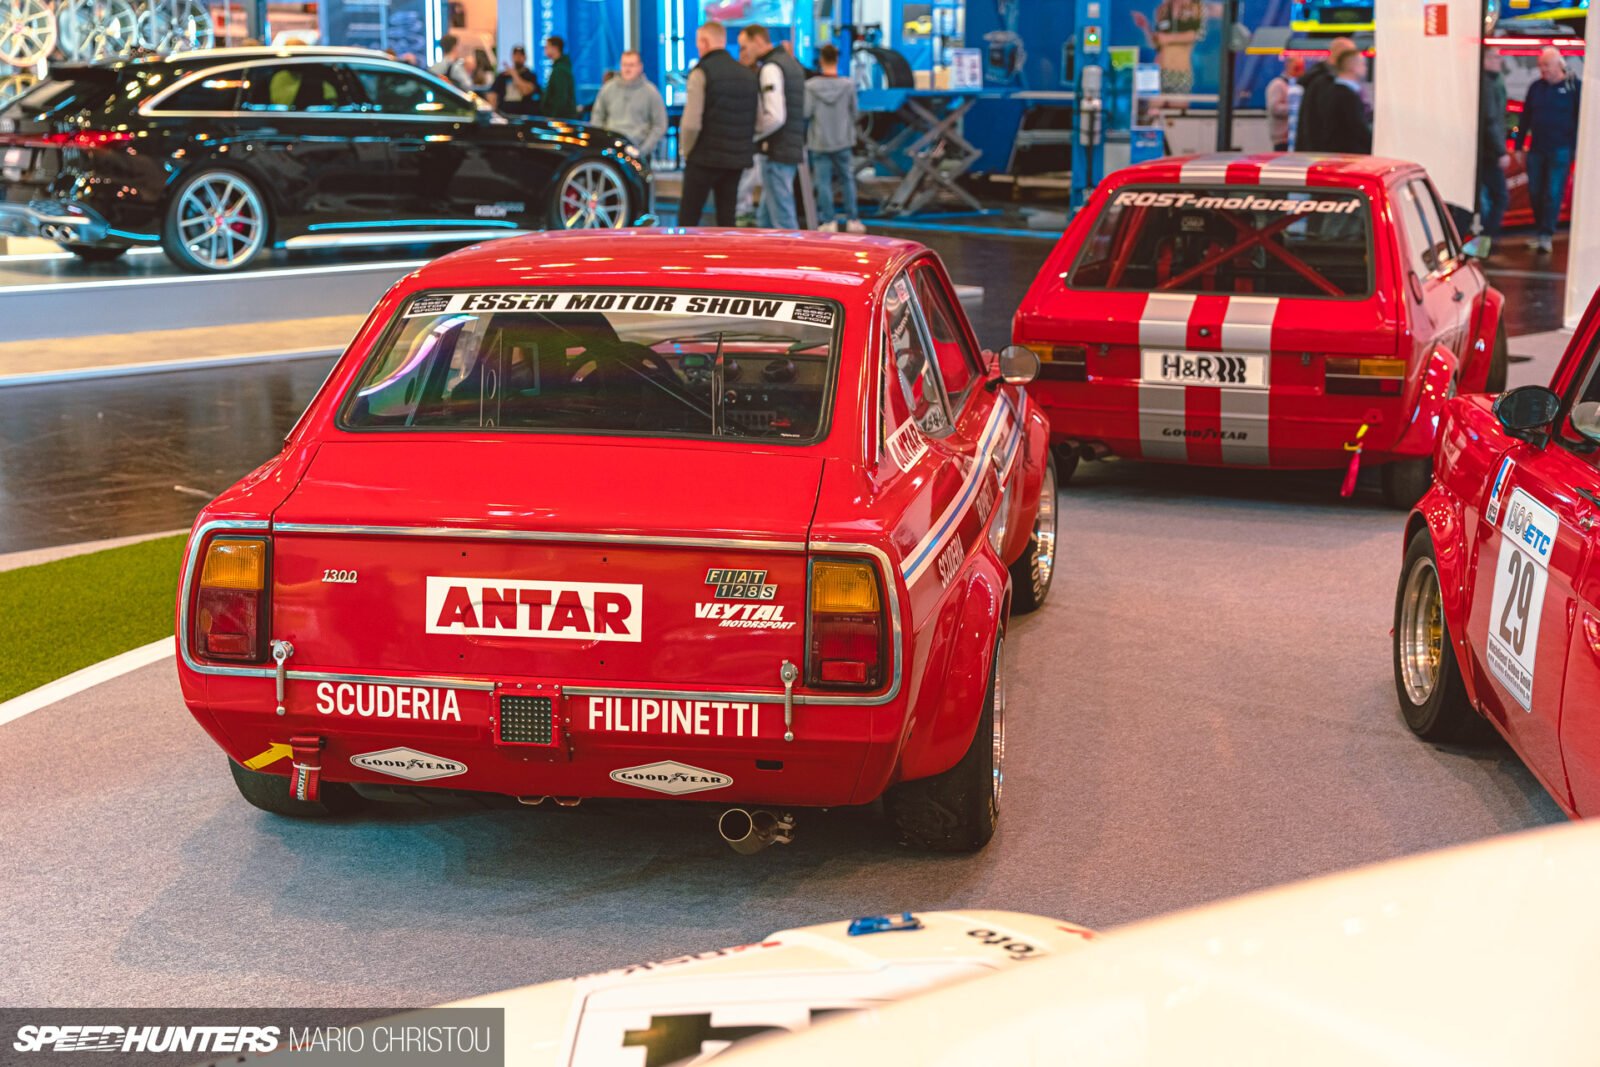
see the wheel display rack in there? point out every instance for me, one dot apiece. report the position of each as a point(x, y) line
point(35, 32)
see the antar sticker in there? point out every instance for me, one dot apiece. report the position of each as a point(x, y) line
point(572, 611)
point(688, 718)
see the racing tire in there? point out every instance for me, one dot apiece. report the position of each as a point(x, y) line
point(957, 811)
point(270, 792)
point(97, 253)
point(1499, 363)
point(1067, 459)
point(1404, 482)
point(1033, 570)
point(1427, 679)
point(240, 222)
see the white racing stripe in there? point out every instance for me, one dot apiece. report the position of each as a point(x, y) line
point(1164, 325)
point(1247, 323)
point(1287, 170)
point(1207, 170)
point(1000, 435)
point(88, 678)
point(1247, 326)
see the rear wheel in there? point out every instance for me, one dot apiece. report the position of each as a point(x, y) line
point(1499, 363)
point(957, 811)
point(1031, 573)
point(97, 253)
point(590, 196)
point(270, 792)
point(1427, 679)
point(1405, 481)
point(216, 222)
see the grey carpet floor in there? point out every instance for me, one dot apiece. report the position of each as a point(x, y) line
point(1204, 708)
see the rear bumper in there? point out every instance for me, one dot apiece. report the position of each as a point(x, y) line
point(841, 754)
point(55, 220)
point(1207, 428)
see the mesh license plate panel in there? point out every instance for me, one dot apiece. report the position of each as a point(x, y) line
point(527, 720)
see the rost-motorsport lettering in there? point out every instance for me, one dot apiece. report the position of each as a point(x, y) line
point(689, 718)
point(1248, 202)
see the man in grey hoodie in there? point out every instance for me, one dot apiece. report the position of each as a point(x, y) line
point(830, 139)
point(631, 105)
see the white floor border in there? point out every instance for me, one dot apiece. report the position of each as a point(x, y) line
point(88, 678)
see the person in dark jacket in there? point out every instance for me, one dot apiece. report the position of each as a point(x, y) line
point(560, 91)
point(1344, 110)
point(780, 125)
point(516, 89)
point(1309, 129)
point(1550, 118)
point(717, 132)
point(1493, 159)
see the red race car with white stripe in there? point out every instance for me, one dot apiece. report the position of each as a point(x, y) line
point(1279, 310)
point(645, 515)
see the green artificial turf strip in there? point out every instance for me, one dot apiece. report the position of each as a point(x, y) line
point(59, 617)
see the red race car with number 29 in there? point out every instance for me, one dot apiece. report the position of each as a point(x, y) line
point(1498, 607)
point(638, 515)
point(1283, 311)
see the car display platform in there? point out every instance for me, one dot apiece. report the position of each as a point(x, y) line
point(51, 296)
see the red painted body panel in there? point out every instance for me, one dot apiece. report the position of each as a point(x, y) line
point(1479, 468)
point(1301, 425)
point(444, 532)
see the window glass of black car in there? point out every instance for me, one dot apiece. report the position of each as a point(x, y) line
point(299, 87)
point(86, 90)
point(398, 92)
point(217, 91)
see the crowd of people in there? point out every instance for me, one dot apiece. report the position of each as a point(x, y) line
point(1324, 110)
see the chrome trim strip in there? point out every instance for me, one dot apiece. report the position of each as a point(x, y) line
point(436, 681)
point(843, 547)
point(150, 108)
point(375, 238)
point(478, 533)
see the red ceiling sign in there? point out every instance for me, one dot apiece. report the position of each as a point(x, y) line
point(1436, 20)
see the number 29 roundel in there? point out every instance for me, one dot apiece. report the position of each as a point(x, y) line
point(1529, 532)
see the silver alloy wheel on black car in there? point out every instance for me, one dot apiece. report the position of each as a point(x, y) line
point(591, 197)
point(217, 222)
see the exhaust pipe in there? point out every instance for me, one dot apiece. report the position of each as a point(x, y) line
point(748, 832)
point(1093, 451)
point(531, 801)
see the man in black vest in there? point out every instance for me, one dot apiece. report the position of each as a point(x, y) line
point(780, 126)
point(718, 128)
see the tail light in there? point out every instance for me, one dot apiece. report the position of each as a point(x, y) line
point(846, 626)
point(230, 607)
point(75, 139)
point(1366, 377)
point(1061, 363)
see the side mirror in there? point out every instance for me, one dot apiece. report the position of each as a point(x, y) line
point(1527, 412)
point(1477, 248)
point(1018, 365)
point(1586, 419)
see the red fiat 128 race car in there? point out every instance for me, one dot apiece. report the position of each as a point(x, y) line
point(638, 515)
point(1286, 311)
point(1498, 607)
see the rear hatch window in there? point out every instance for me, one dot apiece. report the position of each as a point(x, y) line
point(1231, 239)
point(662, 363)
point(75, 90)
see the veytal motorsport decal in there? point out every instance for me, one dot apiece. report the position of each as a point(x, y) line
point(409, 764)
point(573, 611)
point(671, 777)
point(744, 616)
point(686, 718)
point(1528, 535)
point(772, 309)
point(372, 701)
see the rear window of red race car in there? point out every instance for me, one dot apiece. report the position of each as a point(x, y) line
point(634, 362)
point(1237, 240)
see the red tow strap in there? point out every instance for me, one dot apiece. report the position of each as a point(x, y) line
point(307, 778)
